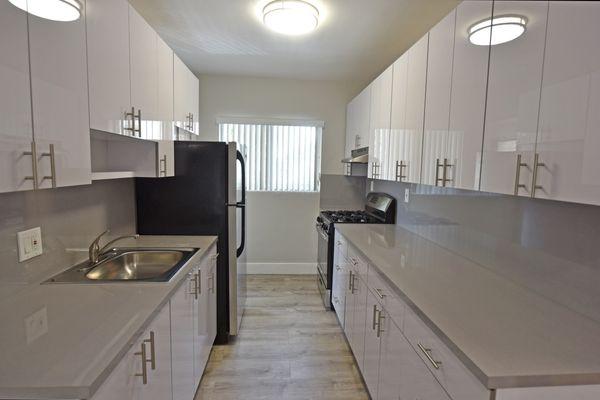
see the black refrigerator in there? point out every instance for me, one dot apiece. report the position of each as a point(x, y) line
point(207, 196)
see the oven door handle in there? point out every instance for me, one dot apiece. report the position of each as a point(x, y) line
point(321, 232)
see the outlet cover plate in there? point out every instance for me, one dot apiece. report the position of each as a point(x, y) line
point(29, 243)
point(406, 195)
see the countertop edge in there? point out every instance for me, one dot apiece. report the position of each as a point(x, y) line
point(87, 392)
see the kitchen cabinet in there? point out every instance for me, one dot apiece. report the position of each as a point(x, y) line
point(356, 309)
point(212, 301)
point(16, 133)
point(408, 108)
point(373, 331)
point(145, 371)
point(166, 158)
point(187, 93)
point(340, 280)
point(143, 56)
point(565, 166)
point(182, 339)
point(511, 117)
point(358, 117)
point(108, 65)
point(379, 125)
point(436, 137)
point(59, 101)
point(165, 126)
point(205, 313)
point(467, 101)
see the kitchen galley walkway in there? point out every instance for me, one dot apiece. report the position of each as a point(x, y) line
point(288, 348)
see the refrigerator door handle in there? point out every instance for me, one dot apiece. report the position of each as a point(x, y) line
point(242, 204)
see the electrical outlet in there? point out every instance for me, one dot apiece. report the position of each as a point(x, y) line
point(29, 243)
point(36, 325)
point(406, 195)
point(372, 186)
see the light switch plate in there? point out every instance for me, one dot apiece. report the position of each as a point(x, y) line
point(29, 243)
point(36, 325)
point(406, 195)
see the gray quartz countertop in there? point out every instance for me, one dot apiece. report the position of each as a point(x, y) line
point(509, 330)
point(89, 327)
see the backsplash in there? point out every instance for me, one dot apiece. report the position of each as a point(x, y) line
point(69, 217)
point(550, 247)
point(342, 192)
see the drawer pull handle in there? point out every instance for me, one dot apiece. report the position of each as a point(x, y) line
point(144, 373)
point(381, 295)
point(375, 317)
point(427, 352)
point(152, 350)
point(380, 316)
point(337, 268)
point(194, 289)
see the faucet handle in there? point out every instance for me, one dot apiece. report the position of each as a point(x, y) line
point(95, 246)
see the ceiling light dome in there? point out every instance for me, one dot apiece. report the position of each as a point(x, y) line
point(55, 10)
point(291, 17)
point(497, 30)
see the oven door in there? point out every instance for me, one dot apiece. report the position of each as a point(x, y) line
point(322, 257)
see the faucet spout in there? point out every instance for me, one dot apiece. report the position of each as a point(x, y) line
point(95, 250)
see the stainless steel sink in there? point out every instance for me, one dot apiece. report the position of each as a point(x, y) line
point(127, 265)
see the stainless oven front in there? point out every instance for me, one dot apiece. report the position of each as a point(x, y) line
point(322, 265)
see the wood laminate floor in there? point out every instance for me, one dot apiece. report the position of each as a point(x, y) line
point(288, 347)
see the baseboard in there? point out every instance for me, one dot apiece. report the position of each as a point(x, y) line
point(281, 268)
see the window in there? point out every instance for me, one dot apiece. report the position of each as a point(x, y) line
point(280, 157)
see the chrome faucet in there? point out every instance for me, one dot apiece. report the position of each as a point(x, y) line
point(95, 249)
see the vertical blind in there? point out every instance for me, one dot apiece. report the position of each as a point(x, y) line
point(279, 158)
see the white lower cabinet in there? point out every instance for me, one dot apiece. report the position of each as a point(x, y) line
point(373, 331)
point(182, 340)
point(359, 317)
point(145, 371)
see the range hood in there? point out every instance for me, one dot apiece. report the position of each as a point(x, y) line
point(358, 156)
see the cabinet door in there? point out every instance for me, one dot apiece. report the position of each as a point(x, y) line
point(124, 382)
point(212, 301)
point(351, 128)
point(108, 64)
point(165, 91)
point(200, 322)
point(194, 92)
point(144, 74)
point(349, 305)
point(398, 134)
point(182, 341)
point(379, 126)
point(180, 90)
point(373, 332)
point(467, 104)
point(568, 141)
point(437, 99)
point(60, 101)
point(15, 101)
point(402, 373)
point(357, 341)
point(359, 116)
point(512, 110)
point(166, 158)
point(338, 293)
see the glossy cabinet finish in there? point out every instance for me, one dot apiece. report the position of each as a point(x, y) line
point(398, 136)
point(143, 56)
point(511, 117)
point(182, 340)
point(373, 332)
point(60, 101)
point(436, 137)
point(358, 117)
point(359, 317)
point(127, 380)
point(108, 64)
point(467, 102)
point(165, 92)
point(568, 142)
point(186, 100)
point(16, 132)
point(379, 125)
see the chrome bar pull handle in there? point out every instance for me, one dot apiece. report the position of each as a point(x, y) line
point(380, 317)
point(144, 373)
point(350, 282)
point(139, 128)
point(400, 165)
point(427, 353)
point(381, 295)
point(152, 350)
point(130, 115)
point(34, 174)
point(536, 165)
point(375, 317)
point(162, 166)
point(194, 289)
point(438, 165)
point(518, 184)
point(211, 277)
point(198, 284)
point(445, 166)
point(52, 175)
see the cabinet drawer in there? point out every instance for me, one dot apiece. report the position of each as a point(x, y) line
point(356, 263)
point(341, 246)
point(386, 296)
point(452, 374)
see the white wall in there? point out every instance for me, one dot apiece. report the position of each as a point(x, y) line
point(281, 235)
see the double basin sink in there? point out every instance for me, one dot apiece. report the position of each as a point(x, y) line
point(128, 265)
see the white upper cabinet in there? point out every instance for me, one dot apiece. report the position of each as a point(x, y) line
point(467, 102)
point(379, 126)
point(108, 64)
point(408, 108)
point(60, 101)
point(436, 138)
point(358, 117)
point(512, 111)
point(165, 91)
point(144, 75)
point(568, 141)
point(15, 101)
point(187, 93)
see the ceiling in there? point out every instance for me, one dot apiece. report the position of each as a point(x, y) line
point(355, 41)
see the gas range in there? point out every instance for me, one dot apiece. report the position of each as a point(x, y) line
point(380, 208)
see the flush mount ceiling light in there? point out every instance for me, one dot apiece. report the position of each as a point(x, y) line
point(497, 30)
point(291, 17)
point(55, 10)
